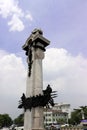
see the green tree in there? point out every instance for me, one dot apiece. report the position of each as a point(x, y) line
point(19, 121)
point(5, 120)
point(75, 117)
point(61, 121)
point(78, 114)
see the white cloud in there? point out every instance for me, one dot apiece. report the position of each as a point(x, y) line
point(29, 16)
point(12, 82)
point(10, 8)
point(16, 24)
point(65, 73)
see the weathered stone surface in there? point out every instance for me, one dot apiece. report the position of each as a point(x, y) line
point(33, 120)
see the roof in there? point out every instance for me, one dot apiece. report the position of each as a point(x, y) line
point(84, 121)
point(54, 111)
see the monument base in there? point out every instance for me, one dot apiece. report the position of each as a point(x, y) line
point(38, 129)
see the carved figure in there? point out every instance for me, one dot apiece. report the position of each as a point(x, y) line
point(39, 100)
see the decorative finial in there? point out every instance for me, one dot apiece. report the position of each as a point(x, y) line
point(37, 31)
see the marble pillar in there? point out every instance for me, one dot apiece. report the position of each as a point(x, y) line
point(34, 119)
point(36, 43)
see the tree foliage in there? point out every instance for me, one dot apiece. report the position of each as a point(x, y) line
point(19, 121)
point(76, 115)
point(5, 120)
point(61, 121)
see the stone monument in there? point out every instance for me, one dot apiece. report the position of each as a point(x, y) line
point(36, 98)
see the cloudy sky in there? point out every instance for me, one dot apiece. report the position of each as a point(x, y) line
point(64, 23)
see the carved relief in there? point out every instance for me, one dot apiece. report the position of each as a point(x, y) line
point(39, 100)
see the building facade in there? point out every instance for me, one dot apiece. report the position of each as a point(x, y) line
point(64, 107)
point(59, 114)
